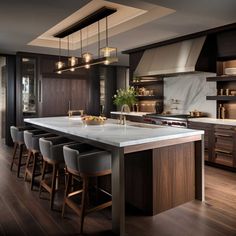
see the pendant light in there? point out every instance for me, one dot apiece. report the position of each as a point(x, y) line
point(106, 55)
point(107, 51)
point(87, 56)
point(59, 64)
point(72, 61)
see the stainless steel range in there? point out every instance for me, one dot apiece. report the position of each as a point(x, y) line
point(175, 120)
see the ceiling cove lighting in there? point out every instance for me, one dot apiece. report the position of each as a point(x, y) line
point(106, 55)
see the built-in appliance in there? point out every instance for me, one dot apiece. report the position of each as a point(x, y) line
point(174, 120)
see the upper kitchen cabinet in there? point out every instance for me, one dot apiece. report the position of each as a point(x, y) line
point(226, 46)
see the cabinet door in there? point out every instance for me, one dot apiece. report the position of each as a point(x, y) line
point(56, 94)
point(208, 137)
point(26, 87)
point(55, 97)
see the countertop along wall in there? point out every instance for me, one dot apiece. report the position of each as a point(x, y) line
point(190, 90)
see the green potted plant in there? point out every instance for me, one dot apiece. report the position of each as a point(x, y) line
point(125, 96)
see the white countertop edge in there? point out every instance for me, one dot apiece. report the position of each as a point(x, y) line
point(132, 113)
point(214, 121)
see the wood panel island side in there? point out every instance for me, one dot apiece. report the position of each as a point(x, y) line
point(153, 167)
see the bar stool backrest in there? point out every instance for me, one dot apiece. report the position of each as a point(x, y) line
point(28, 139)
point(16, 135)
point(45, 147)
point(88, 162)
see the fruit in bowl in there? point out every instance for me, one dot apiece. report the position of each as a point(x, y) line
point(94, 120)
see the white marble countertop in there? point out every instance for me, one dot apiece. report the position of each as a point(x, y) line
point(113, 133)
point(132, 113)
point(214, 121)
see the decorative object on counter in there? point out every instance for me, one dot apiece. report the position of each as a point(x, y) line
point(106, 55)
point(221, 112)
point(196, 113)
point(125, 96)
point(94, 120)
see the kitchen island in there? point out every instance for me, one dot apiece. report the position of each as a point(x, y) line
point(176, 159)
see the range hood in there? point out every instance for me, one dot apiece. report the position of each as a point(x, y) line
point(187, 56)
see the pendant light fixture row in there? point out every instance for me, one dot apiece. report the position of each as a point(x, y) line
point(106, 55)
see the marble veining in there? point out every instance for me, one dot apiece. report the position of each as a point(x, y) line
point(190, 91)
point(112, 133)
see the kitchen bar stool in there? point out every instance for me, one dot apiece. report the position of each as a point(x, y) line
point(18, 140)
point(31, 139)
point(52, 152)
point(82, 161)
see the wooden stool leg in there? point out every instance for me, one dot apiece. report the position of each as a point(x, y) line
point(42, 176)
point(19, 162)
point(35, 159)
point(27, 164)
point(68, 183)
point(53, 185)
point(14, 155)
point(83, 207)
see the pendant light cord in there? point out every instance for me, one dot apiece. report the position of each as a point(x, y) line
point(68, 46)
point(81, 43)
point(59, 49)
point(98, 39)
point(106, 33)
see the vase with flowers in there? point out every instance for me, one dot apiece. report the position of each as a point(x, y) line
point(125, 96)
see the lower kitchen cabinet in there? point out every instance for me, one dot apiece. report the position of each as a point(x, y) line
point(220, 143)
point(208, 138)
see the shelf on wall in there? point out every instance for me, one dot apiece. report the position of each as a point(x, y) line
point(222, 78)
point(151, 97)
point(143, 83)
point(222, 98)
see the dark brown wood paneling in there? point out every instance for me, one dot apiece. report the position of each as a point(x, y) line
point(56, 94)
point(138, 176)
point(226, 44)
point(173, 176)
point(78, 94)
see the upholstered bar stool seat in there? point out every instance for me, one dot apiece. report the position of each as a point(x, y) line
point(52, 152)
point(31, 139)
point(85, 162)
point(18, 140)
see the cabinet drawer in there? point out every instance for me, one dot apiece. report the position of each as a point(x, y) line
point(223, 158)
point(224, 143)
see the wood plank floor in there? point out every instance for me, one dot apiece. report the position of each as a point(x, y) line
point(23, 213)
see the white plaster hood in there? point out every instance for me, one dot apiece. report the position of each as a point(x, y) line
point(179, 57)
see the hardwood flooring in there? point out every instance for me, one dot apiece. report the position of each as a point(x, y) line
point(23, 213)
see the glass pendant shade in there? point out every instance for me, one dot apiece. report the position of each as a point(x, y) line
point(72, 61)
point(108, 51)
point(87, 57)
point(59, 65)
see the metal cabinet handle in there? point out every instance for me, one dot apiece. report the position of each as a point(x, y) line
point(223, 151)
point(40, 90)
point(223, 135)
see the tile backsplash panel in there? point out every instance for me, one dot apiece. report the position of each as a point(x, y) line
point(184, 93)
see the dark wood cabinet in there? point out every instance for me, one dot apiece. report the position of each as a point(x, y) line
point(220, 143)
point(41, 92)
point(208, 137)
